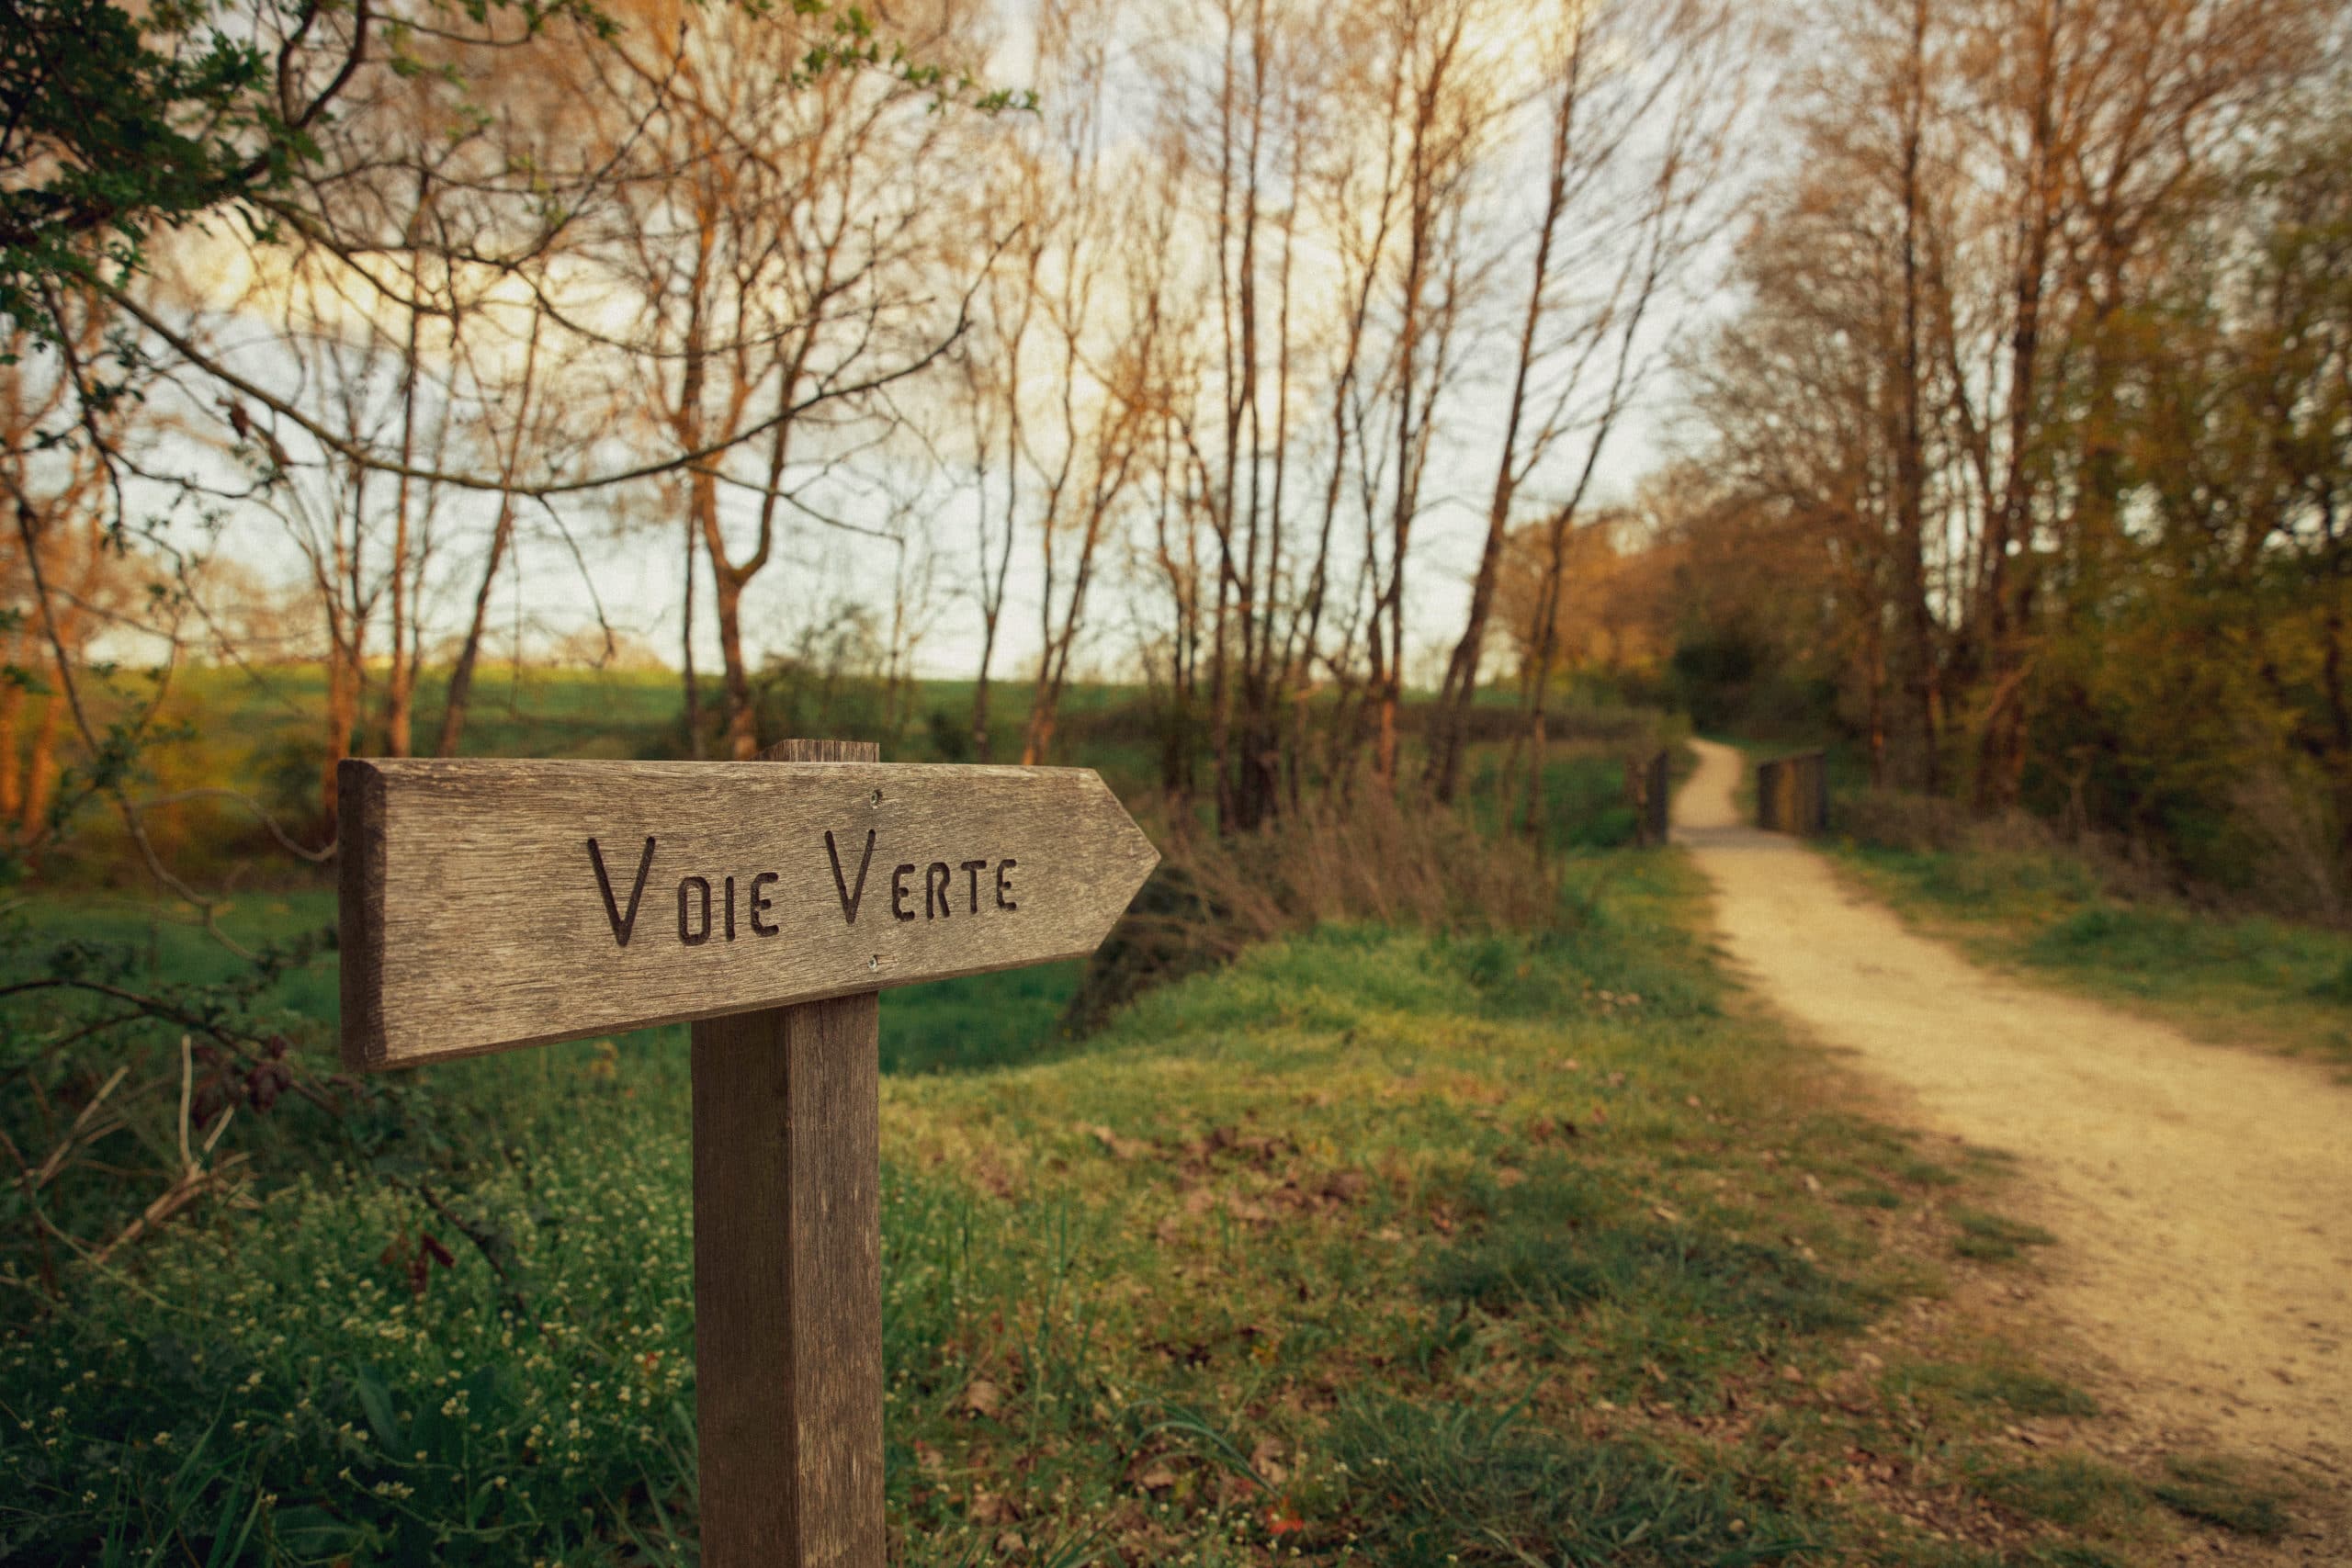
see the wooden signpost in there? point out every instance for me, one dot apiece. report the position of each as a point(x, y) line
point(491, 904)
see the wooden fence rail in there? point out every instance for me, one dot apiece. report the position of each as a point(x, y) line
point(1793, 796)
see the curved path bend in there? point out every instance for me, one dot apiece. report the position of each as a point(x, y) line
point(2201, 1195)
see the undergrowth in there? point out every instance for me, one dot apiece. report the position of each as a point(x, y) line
point(1378, 1245)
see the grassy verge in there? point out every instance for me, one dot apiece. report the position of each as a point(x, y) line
point(2231, 979)
point(1375, 1246)
point(952, 1026)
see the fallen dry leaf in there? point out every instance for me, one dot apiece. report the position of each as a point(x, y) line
point(1346, 1186)
point(1118, 1146)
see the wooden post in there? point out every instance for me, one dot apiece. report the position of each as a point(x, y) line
point(788, 1273)
point(1645, 791)
point(1793, 794)
point(1773, 795)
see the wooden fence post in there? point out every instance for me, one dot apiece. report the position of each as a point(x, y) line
point(788, 1273)
point(1645, 792)
point(1793, 794)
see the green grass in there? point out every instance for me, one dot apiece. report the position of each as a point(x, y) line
point(1991, 1238)
point(2246, 979)
point(983, 1020)
point(2226, 1493)
point(1872, 1197)
point(1427, 1481)
point(2073, 1490)
point(1376, 1247)
point(1641, 1282)
point(165, 942)
point(1999, 1380)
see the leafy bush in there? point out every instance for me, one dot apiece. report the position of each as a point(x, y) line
point(1365, 860)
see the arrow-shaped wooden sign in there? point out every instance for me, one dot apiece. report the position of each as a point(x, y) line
point(489, 904)
point(495, 903)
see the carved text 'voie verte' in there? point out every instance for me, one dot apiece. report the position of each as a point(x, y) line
point(726, 906)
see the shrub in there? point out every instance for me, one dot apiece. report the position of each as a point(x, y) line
point(1364, 859)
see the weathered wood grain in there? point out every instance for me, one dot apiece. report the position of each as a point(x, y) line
point(476, 916)
point(787, 1165)
point(788, 1285)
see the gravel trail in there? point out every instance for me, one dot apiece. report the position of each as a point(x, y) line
point(2201, 1195)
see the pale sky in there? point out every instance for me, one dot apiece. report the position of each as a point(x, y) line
point(553, 584)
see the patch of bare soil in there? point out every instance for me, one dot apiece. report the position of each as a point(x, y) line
point(2201, 1196)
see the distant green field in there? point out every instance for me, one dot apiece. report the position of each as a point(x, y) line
point(259, 731)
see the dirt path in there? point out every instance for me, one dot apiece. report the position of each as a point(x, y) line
point(2202, 1196)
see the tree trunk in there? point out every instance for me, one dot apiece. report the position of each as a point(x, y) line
point(980, 743)
point(12, 764)
point(40, 767)
point(2001, 748)
point(400, 678)
point(742, 719)
point(686, 650)
point(1918, 654)
point(461, 674)
point(345, 681)
point(1448, 719)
